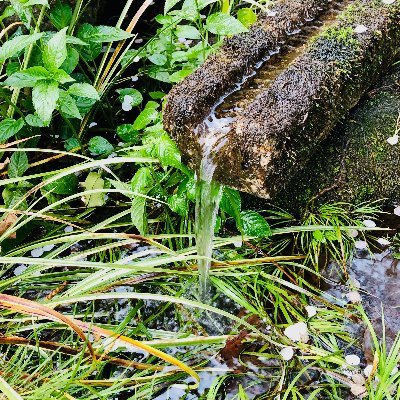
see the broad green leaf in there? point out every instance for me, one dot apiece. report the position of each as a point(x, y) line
point(55, 50)
point(12, 68)
point(138, 214)
point(8, 12)
point(92, 182)
point(27, 78)
point(188, 188)
point(158, 59)
point(10, 127)
point(231, 203)
point(179, 204)
point(12, 195)
point(121, 186)
point(75, 40)
point(71, 143)
point(156, 95)
point(224, 24)
point(166, 151)
point(169, 4)
point(187, 32)
point(61, 15)
point(72, 60)
point(66, 185)
point(13, 46)
point(30, 3)
point(44, 97)
point(147, 116)
point(61, 76)
point(246, 16)
point(128, 134)
point(67, 106)
point(83, 90)
point(142, 181)
point(179, 75)
point(93, 49)
point(34, 120)
point(107, 34)
point(18, 164)
point(137, 97)
point(100, 146)
point(255, 224)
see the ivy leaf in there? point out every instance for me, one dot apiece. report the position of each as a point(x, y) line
point(224, 24)
point(61, 15)
point(246, 16)
point(18, 164)
point(142, 181)
point(44, 97)
point(13, 46)
point(27, 78)
point(10, 127)
point(254, 224)
point(55, 50)
point(66, 185)
point(178, 204)
point(148, 115)
point(231, 203)
point(84, 90)
point(138, 214)
point(67, 106)
point(99, 145)
point(92, 182)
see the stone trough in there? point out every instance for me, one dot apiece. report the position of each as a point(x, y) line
point(276, 92)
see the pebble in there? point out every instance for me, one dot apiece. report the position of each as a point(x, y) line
point(36, 253)
point(287, 353)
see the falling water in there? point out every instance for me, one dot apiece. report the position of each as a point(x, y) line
point(208, 194)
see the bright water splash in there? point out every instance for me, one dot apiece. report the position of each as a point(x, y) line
point(208, 195)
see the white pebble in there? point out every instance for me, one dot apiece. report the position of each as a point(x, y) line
point(297, 332)
point(48, 247)
point(311, 311)
point(368, 370)
point(358, 379)
point(36, 253)
point(360, 29)
point(136, 59)
point(383, 242)
point(357, 389)
point(388, 1)
point(392, 140)
point(68, 229)
point(353, 297)
point(287, 353)
point(140, 40)
point(361, 244)
point(127, 106)
point(353, 233)
point(396, 211)
point(92, 124)
point(352, 359)
point(134, 78)
point(395, 370)
point(369, 223)
point(20, 269)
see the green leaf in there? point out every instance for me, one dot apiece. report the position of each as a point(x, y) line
point(147, 116)
point(158, 59)
point(142, 181)
point(179, 204)
point(10, 127)
point(246, 16)
point(254, 224)
point(187, 32)
point(18, 164)
point(71, 143)
point(55, 50)
point(138, 214)
point(27, 78)
point(93, 49)
point(61, 15)
point(13, 46)
point(231, 203)
point(179, 75)
point(107, 34)
point(166, 151)
point(66, 185)
point(92, 182)
point(100, 146)
point(156, 95)
point(137, 97)
point(72, 60)
point(61, 76)
point(34, 120)
point(84, 90)
point(128, 134)
point(8, 12)
point(169, 4)
point(67, 106)
point(44, 97)
point(224, 24)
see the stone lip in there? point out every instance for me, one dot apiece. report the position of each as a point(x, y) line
point(190, 101)
point(275, 135)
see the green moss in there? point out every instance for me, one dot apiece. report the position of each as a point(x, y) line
point(342, 35)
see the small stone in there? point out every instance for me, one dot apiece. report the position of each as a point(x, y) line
point(134, 78)
point(361, 244)
point(358, 379)
point(139, 40)
point(369, 223)
point(392, 140)
point(92, 124)
point(297, 332)
point(20, 269)
point(388, 1)
point(360, 29)
point(311, 311)
point(383, 242)
point(126, 106)
point(287, 353)
point(395, 370)
point(357, 390)
point(48, 247)
point(136, 59)
point(353, 233)
point(353, 297)
point(36, 253)
point(368, 370)
point(396, 211)
point(68, 229)
point(352, 359)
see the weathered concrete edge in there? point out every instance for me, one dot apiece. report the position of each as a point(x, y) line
point(190, 101)
point(278, 132)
